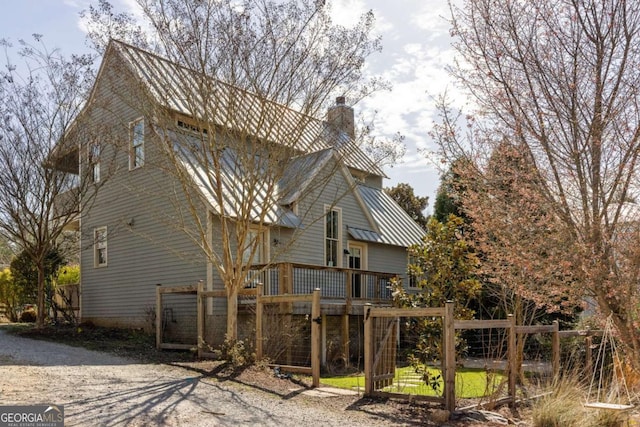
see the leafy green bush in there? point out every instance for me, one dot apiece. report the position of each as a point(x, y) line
point(9, 295)
point(69, 275)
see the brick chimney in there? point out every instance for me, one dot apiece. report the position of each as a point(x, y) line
point(340, 117)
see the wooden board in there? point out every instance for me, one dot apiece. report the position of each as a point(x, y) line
point(608, 406)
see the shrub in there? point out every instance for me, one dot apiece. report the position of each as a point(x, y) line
point(68, 275)
point(9, 295)
point(28, 316)
point(236, 353)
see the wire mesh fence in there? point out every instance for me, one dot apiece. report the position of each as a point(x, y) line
point(286, 337)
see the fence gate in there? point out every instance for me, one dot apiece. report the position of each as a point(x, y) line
point(384, 340)
point(380, 349)
point(290, 338)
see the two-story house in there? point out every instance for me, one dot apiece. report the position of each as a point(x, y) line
point(157, 218)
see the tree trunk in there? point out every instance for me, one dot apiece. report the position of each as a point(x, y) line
point(232, 313)
point(40, 297)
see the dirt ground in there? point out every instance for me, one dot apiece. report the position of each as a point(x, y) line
point(100, 389)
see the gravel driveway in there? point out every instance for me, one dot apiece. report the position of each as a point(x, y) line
point(98, 389)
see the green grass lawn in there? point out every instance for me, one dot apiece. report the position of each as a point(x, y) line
point(470, 383)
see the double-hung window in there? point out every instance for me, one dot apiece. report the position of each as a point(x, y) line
point(100, 247)
point(136, 151)
point(332, 237)
point(94, 162)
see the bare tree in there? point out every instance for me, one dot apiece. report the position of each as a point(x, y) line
point(235, 107)
point(39, 97)
point(558, 80)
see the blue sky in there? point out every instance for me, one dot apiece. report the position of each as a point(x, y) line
point(416, 51)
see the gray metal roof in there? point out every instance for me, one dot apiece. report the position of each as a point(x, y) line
point(364, 235)
point(236, 191)
point(395, 225)
point(195, 95)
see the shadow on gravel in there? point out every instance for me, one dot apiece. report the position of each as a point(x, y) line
point(153, 402)
point(157, 403)
point(262, 379)
point(403, 413)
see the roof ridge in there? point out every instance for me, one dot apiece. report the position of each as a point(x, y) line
point(144, 64)
point(216, 79)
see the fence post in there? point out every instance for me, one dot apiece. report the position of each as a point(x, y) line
point(200, 307)
point(158, 317)
point(555, 347)
point(368, 350)
point(316, 320)
point(513, 356)
point(589, 356)
point(449, 358)
point(259, 311)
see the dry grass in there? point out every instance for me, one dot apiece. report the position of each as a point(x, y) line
point(564, 408)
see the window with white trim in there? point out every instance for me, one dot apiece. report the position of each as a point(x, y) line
point(100, 247)
point(136, 150)
point(94, 161)
point(332, 226)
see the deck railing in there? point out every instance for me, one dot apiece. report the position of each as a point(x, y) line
point(334, 283)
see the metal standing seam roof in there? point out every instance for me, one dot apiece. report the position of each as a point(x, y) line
point(396, 226)
point(234, 189)
point(176, 88)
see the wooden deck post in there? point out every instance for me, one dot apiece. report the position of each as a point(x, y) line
point(200, 307)
point(449, 332)
point(316, 320)
point(158, 317)
point(345, 319)
point(368, 350)
point(345, 338)
point(555, 348)
point(259, 313)
point(512, 355)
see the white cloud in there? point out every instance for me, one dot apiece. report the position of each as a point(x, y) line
point(77, 4)
point(346, 12)
point(433, 18)
point(132, 7)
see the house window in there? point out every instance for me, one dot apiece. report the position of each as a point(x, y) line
point(191, 127)
point(136, 153)
point(258, 240)
point(94, 161)
point(332, 237)
point(100, 247)
point(357, 259)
